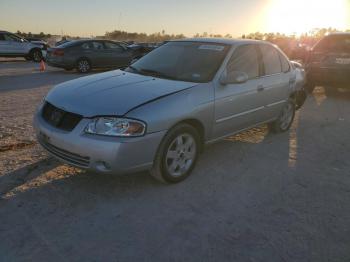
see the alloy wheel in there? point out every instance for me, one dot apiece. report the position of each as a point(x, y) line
point(180, 155)
point(37, 56)
point(83, 66)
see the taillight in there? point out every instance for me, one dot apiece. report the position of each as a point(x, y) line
point(58, 52)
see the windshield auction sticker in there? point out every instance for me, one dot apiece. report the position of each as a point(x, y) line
point(211, 47)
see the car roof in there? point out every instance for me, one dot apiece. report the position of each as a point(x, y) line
point(339, 33)
point(226, 41)
point(91, 40)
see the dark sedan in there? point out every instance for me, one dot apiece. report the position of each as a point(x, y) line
point(85, 55)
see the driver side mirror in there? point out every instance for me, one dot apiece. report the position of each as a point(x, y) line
point(233, 77)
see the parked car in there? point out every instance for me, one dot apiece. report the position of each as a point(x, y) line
point(300, 90)
point(62, 41)
point(159, 112)
point(328, 63)
point(141, 49)
point(85, 55)
point(12, 45)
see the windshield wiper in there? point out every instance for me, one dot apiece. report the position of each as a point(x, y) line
point(134, 69)
point(156, 73)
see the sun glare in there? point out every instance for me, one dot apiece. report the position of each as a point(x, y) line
point(300, 16)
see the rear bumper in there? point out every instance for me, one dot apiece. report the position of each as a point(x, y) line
point(58, 63)
point(328, 76)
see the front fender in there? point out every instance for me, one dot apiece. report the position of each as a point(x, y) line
point(196, 103)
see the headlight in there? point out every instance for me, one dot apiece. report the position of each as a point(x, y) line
point(113, 126)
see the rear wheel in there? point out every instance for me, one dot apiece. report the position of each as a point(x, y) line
point(83, 66)
point(177, 154)
point(285, 120)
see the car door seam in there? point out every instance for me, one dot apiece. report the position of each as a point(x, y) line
point(239, 114)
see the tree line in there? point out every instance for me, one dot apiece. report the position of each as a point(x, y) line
point(295, 46)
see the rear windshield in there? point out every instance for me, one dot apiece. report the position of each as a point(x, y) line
point(69, 44)
point(334, 43)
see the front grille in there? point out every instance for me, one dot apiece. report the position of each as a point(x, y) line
point(74, 159)
point(60, 118)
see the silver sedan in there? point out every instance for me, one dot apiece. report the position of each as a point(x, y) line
point(158, 113)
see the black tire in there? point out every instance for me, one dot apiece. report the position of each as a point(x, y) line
point(83, 65)
point(36, 55)
point(300, 99)
point(160, 169)
point(281, 124)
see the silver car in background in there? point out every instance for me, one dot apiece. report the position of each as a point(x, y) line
point(12, 45)
point(158, 113)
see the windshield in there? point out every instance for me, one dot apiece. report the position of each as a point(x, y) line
point(184, 61)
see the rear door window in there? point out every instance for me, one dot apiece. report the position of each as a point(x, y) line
point(97, 45)
point(114, 46)
point(87, 46)
point(271, 60)
point(245, 59)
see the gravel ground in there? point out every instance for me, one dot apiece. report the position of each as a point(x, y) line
point(253, 197)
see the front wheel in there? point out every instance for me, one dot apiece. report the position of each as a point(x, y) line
point(300, 99)
point(83, 66)
point(177, 154)
point(36, 55)
point(285, 120)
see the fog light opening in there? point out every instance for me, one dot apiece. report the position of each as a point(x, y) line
point(103, 166)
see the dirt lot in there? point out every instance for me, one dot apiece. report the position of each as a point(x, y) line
point(253, 197)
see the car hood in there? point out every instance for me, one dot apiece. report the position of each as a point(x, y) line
point(111, 93)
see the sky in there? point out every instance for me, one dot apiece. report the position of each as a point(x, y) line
point(235, 17)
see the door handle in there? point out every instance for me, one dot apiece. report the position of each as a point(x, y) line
point(260, 88)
